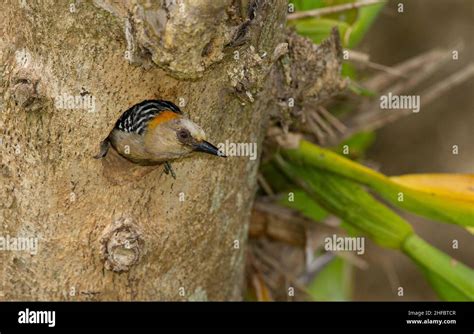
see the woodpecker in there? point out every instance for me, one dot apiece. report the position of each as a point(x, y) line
point(155, 132)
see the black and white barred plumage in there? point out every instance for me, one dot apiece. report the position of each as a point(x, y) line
point(137, 117)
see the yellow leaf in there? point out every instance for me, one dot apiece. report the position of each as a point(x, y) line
point(455, 186)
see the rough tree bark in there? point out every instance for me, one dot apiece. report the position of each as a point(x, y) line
point(106, 231)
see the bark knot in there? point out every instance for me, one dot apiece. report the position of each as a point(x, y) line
point(121, 245)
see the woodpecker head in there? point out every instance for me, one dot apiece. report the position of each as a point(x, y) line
point(170, 135)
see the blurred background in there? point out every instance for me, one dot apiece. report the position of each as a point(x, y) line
point(422, 143)
point(286, 246)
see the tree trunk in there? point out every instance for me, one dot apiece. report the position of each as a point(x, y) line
point(107, 230)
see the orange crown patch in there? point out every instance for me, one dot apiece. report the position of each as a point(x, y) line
point(162, 117)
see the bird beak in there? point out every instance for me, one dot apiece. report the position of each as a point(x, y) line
point(207, 147)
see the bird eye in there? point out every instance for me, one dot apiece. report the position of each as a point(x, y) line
point(183, 134)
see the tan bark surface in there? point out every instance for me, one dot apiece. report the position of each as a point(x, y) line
point(106, 231)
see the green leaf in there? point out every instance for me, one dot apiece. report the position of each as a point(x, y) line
point(447, 271)
point(278, 181)
point(428, 203)
point(333, 283)
point(366, 16)
point(318, 29)
point(307, 5)
point(358, 209)
point(304, 204)
point(356, 145)
point(443, 288)
point(360, 90)
point(351, 203)
point(348, 70)
point(353, 24)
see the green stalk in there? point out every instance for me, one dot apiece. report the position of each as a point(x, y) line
point(423, 203)
point(351, 203)
point(359, 210)
point(443, 266)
